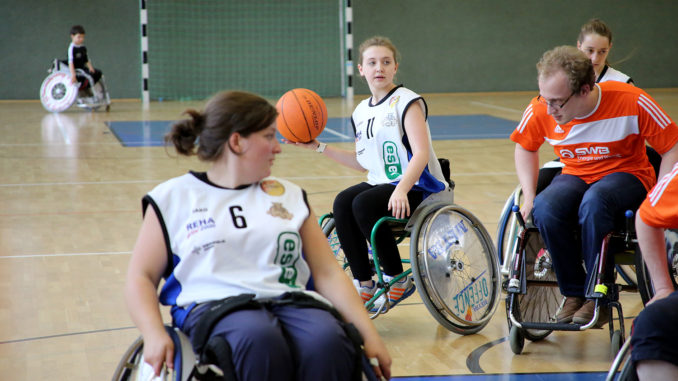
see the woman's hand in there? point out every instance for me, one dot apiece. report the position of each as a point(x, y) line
point(379, 358)
point(159, 351)
point(312, 145)
point(398, 204)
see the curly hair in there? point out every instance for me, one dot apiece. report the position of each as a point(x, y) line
point(575, 64)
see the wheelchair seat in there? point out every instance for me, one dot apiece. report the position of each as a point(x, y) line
point(451, 257)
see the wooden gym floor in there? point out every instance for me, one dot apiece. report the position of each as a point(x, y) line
point(70, 211)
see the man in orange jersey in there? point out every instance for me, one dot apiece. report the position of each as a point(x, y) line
point(598, 131)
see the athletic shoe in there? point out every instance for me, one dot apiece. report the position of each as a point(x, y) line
point(367, 293)
point(400, 290)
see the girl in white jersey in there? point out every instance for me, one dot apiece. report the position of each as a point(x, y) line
point(393, 144)
point(234, 232)
point(595, 40)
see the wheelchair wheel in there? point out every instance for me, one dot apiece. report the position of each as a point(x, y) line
point(455, 267)
point(129, 363)
point(542, 299)
point(328, 225)
point(133, 368)
point(57, 93)
point(645, 287)
point(507, 230)
point(671, 237)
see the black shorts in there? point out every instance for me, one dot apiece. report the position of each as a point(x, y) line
point(655, 332)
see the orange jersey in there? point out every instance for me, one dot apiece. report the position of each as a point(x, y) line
point(610, 139)
point(660, 208)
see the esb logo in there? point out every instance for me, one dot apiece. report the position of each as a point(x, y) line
point(566, 153)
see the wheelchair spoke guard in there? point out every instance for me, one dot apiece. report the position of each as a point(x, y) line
point(455, 268)
point(57, 93)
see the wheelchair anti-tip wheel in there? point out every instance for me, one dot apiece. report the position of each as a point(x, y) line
point(57, 93)
point(542, 299)
point(455, 267)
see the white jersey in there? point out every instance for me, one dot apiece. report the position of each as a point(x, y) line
point(381, 142)
point(610, 74)
point(227, 242)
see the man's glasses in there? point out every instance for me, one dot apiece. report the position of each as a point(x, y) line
point(543, 101)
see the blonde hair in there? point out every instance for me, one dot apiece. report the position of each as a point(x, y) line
point(573, 62)
point(378, 41)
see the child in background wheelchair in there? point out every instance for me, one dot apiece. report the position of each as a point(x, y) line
point(75, 80)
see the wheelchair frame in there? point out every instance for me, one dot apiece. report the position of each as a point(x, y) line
point(132, 367)
point(57, 93)
point(431, 256)
point(598, 288)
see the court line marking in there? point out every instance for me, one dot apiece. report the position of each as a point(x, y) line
point(158, 181)
point(331, 131)
point(473, 359)
point(496, 107)
point(65, 255)
point(65, 335)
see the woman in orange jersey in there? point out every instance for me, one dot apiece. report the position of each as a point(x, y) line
point(655, 334)
point(598, 131)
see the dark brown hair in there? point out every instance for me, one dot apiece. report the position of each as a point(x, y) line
point(596, 26)
point(225, 113)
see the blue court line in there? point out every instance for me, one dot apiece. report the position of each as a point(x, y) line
point(445, 127)
point(578, 376)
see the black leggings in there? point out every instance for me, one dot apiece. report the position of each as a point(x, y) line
point(356, 210)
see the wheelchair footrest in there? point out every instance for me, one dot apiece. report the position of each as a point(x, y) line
point(552, 326)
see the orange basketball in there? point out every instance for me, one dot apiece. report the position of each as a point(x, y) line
point(302, 115)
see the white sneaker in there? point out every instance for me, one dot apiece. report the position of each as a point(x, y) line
point(367, 293)
point(400, 290)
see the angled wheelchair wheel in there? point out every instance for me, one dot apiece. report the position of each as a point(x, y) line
point(328, 226)
point(507, 231)
point(645, 287)
point(542, 299)
point(57, 93)
point(671, 238)
point(455, 267)
point(129, 363)
point(133, 368)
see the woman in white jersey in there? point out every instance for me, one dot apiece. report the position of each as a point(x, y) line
point(228, 243)
point(393, 145)
point(595, 40)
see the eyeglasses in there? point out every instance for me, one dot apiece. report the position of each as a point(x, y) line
point(543, 101)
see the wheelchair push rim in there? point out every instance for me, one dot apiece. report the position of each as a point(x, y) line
point(455, 267)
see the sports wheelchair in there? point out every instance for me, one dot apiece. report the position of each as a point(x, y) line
point(132, 366)
point(533, 297)
point(452, 261)
point(58, 93)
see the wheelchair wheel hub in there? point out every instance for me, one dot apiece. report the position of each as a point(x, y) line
point(58, 91)
point(542, 264)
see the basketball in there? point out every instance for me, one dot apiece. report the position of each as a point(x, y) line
point(302, 115)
